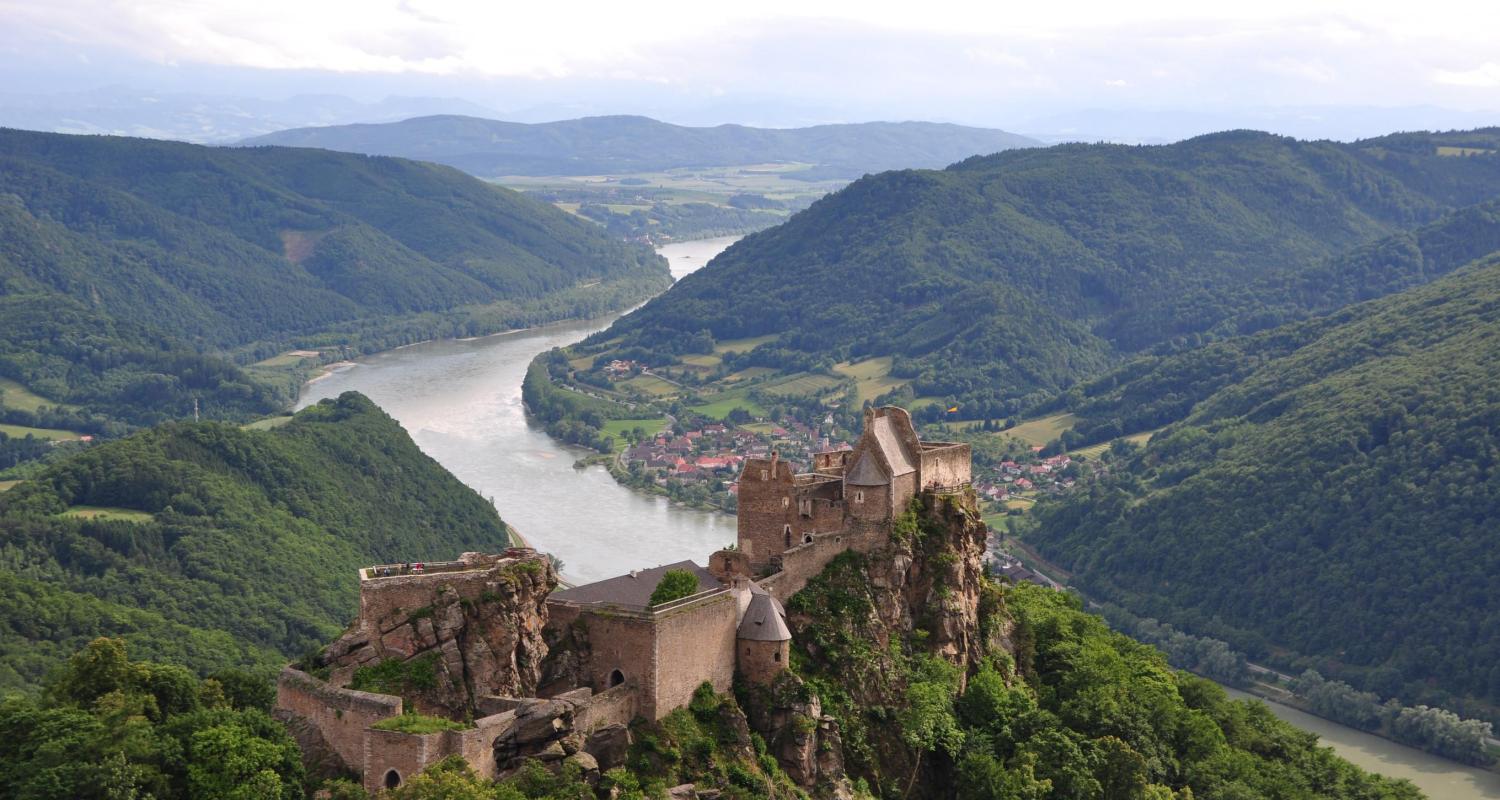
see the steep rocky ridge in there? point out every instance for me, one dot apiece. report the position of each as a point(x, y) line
point(858, 629)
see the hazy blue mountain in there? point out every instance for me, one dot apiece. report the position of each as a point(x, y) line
point(621, 144)
point(203, 117)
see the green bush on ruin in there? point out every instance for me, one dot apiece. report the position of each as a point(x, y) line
point(674, 585)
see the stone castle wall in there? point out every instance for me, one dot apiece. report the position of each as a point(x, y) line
point(341, 715)
point(694, 643)
point(802, 563)
point(946, 466)
point(761, 662)
point(765, 509)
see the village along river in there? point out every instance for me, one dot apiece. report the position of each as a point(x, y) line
point(461, 403)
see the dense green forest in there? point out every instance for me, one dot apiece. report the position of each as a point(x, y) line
point(137, 275)
point(109, 728)
point(1006, 278)
point(1339, 473)
point(211, 546)
point(621, 144)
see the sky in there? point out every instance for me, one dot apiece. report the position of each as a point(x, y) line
point(776, 62)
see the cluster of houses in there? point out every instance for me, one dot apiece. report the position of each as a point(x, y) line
point(716, 451)
point(1028, 476)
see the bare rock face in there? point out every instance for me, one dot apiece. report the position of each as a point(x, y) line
point(465, 635)
point(805, 741)
point(935, 581)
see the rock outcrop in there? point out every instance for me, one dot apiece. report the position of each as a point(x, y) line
point(804, 740)
point(923, 593)
point(467, 636)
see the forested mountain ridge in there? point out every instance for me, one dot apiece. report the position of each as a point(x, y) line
point(1154, 390)
point(621, 144)
point(163, 252)
point(1007, 277)
point(220, 546)
point(1340, 474)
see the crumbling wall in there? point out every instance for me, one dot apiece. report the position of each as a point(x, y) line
point(484, 627)
point(340, 715)
point(765, 509)
point(946, 467)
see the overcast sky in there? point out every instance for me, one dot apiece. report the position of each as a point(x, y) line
point(776, 62)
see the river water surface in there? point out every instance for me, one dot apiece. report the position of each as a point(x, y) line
point(461, 403)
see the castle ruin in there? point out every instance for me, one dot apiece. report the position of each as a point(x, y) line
point(536, 672)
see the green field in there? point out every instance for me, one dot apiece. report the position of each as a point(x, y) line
point(650, 384)
point(742, 345)
point(872, 377)
point(21, 431)
point(1000, 521)
point(1444, 150)
point(718, 406)
point(801, 384)
point(747, 374)
point(108, 513)
point(14, 395)
point(1096, 450)
point(1023, 503)
point(618, 427)
point(1037, 431)
point(703, 360)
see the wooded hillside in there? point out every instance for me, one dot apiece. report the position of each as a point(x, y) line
point(1338, 474)
point(621, 144)
point(210, 546)
point(1005, 278)
point(134, 273)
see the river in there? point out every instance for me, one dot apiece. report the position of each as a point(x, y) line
point(1438, 778)
point(461, 403)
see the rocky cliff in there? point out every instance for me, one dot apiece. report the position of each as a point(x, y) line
point(444, 642)
point(868, 633)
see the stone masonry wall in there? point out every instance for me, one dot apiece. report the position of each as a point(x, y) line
point(695, 643)
point(802, 563)
point(946, 467)
point(761, 662)
point(341, 715)
point(765, 509)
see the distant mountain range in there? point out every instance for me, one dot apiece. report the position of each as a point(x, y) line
point(629, 144)
point(203, 117)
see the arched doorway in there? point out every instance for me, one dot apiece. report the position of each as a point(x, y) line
point(788, 531)
point(392, 779)
point(616, 678)
point(807, 538)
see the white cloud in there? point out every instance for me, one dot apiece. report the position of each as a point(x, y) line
point(1484, 76)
